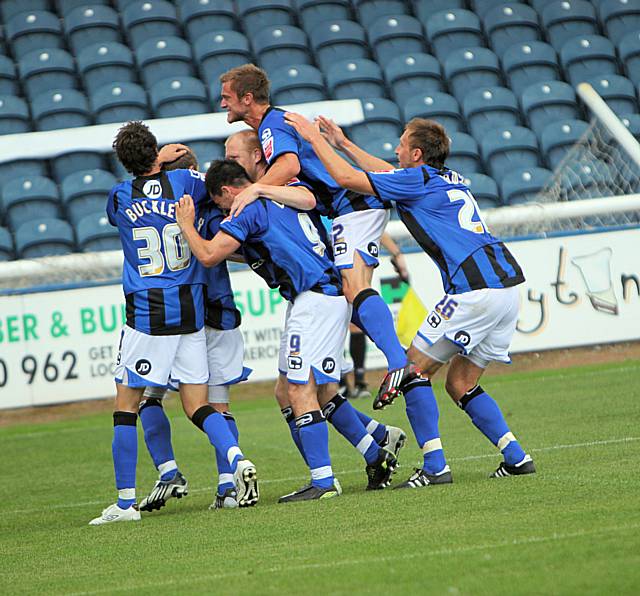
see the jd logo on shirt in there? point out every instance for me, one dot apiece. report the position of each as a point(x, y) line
point(152, 189)
point(143, 367)
point(328, 365)
point(462, 337)
point(373, 249)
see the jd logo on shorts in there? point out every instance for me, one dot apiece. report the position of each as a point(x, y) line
point(143, 367)
point(328, 365)
point(434, 319)
point(373, 249)
point(295, 362)
point(152, 189)
point(462, 337)
point(339, 248)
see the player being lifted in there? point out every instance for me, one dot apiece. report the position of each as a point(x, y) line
point(474, 322)
point(163, 339)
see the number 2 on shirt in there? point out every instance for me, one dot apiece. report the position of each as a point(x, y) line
point(467, 211)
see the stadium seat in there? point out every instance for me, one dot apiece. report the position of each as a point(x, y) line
point(43, 70)
point(545, 103)
point(19, 168)
point(632, 122)
point(64, 7)
point(408, 74)
point(255, 15)
point(471, 67)
point(277, 46)
point(101, 64)
point(28, 198)
point(423, 9)
point(313, 12)
point(218, 51)
point(206, 152)
point(91, 24)
point(381, 119)
point(14, 115)
point(453, 29)
point(146, 19)
point(464, 155)
point(441, 107)
point(509, 24)
point(164, 57)
point(619, 17)
point(10, 8)
point(117, 169)
point(522, 185)
point(369, 11)
point(44, 237)
point(506, 149)
point(484, 190)
point(558, 138)
point(531, 62)
point(36, 30)
point(486, 108)
point(482, 7)
point(85, 192)
point(629, 51)
point(539, 5)
point(297, 84)
point(588, 56)
point(120, 102)
point(595, 180)
point(6, 245)
point(618, 92)
point(200, 17)
point(390, 36)
point(8, 78)
point(95, 233)
point(383, 147)
point(65, 108)
point(358, 78)
point(67, 163)
point(179, 96)
point(337, 40)
point(566, 19)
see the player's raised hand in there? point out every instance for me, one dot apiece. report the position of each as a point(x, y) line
point(307, 130)
point(244, 198)
point(185, 211)
point(171, 152)
point(331, 131)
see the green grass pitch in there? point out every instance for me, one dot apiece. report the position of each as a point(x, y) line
point(573, 528)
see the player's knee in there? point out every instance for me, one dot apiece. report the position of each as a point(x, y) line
point(456, 387)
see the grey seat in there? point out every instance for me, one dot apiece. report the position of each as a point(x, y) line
point(471, 67)
point(277, 46)
point(393, 35)
point(464, 155)
point(199, 18)
point(487, 108)
point(44, 237)
point(530, 62)
point(95, 233)
point(179, 96)
point(120, 102)
point(89, 24)
point(409, 74)
point(336, 40)
point(356, 78)
point(508, 148)
point(218, 51)
point(164, 57)
point(104, 63)
point(61, 108)
point(14, 115)
point(33, 30)
point(146, 19)
point(524, 184)
point(85, 192)
point(30, 197)
point(441, 107)
point(44, 70)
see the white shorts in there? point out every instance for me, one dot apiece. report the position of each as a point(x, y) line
point(159, 360)
point(480, 323)
point(225, 356)
point(313, 339)
point(361, 231)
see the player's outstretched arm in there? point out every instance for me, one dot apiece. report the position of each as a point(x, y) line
point(341, 171)
point(293, 196)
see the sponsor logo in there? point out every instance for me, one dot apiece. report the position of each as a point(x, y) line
point(462, 337)
point(143, 367)
point(294, 362)
point(257, 264)
point(434, 319)
point(267, 148)
point(266, 134)
point(152, 189)
point(328, 365)
point(340, 248)
point(373, 249)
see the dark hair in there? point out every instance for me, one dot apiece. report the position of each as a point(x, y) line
point(224, 172)
point(431, 138)
point(184, 162)
point(136, 147)
point(248, 78)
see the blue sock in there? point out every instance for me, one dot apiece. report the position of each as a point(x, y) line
point(486, 415)
point(216, 428)
point(157, 436)
point(293, 429)
point(225, 475)
point(423, 414)
point(376, 429)
point(345, 419)
point(377, 323)
point(314, 436)
point(125, 456)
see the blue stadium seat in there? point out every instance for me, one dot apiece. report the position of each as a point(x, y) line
point(618, 92)
point(565, 19)
point(14, 115)
point(30, 197)
point(383, 147)
point(256, 14)
point(484, 190)
point(453, 29)
point(164, 57)
point(395, 35)
point(539, 5)
point(218, 51)
point(531, 62)
point(588, 56)
point(43, 70)
point(120, 102)
point(61, 108)
point(619, 17)
point(632, 122)
point(19, 168)
point(85, 192)
point(67, 163)
point(509, 24)
point(95, 233)
point(146, 19)
point(337, 40)
point(8, 78)
point(381, 119)
point(102, 64)
point(471, 67)
point(206, 152)
point(179, 96)
point(281, 45)
point(413, 73)
point(629, 51)
point(44, 237)
point(464, 155)
point(423, 9)
point(200, 17)
point(117, 168)
point(505, 149)
point(522, 185)
point(557, 139)
point(91, 24)
point(297, 84)
point(29, 31)
point(595, 179)
point(369, 11)
point(64, 7)
point(313, 12)
point(441, 107)
point(486, 108)
point(358, 78)
point(121, 5)
point(545, 103)
point(10, 8)
point(6, 245)
point(482, 7)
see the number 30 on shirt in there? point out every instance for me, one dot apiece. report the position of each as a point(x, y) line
point(171, 250)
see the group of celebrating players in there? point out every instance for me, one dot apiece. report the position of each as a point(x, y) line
point(262, 205)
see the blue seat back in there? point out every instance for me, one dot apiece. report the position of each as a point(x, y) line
point(33, 30)
point(281, 45)
point(257, 14)
point(64, 108)
point(6, 245)
point(355, 79)
point(297, 84)
point(449, 30)
point(522, 185)
point(472, 67)
point(44, 237)
point(565, 19)
point(336, 40)
point(511, 23)
point(484, 190)
point(29, 197)
point(10, 8)
point(369, 11)
point(441, 107)
point(314, 12)
point(619, 17)
point(588, 56)
point(218, 51)
point(67, 163)
point(43, 70)
point(381, 118)
point(179, 96)
point(120, 102)
point(91, 24)
point(486, 108)
point(545, 103)
point(199, 18)
point(464, 155)
point(95, 233)
point(8, 77)
point(413, 73)
point(393, 35)
point(618, 92)
point(14, 115)
point(558, 138)
point(164, 57)
point(103, 63)
point(146, 19)
point(629, 52)
point(528, 63)
point(505, 149)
